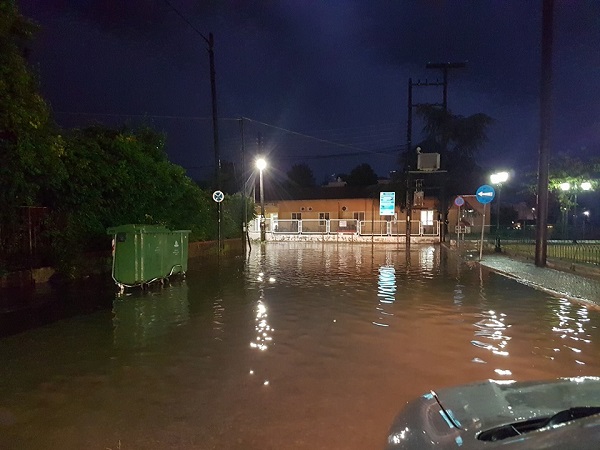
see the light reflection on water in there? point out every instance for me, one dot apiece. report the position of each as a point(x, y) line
point(299, 346)
point(386, 293)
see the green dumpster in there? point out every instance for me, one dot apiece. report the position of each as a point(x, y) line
point(146, 253)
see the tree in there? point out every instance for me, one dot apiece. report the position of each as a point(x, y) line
point(362, 175)
point(457, 139)
point(30, 147)
point(117, 177)
point(568, 179)
point(300, 175)
point(452, 133)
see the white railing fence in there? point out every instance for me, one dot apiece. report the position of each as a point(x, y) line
point(346, 226)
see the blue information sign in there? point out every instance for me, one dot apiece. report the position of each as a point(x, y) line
point(387, 203)
point(485, 194)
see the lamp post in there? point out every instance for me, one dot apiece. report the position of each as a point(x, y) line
point(567, 187)
point(498, 179)
point(586, 217)
point(261, 164)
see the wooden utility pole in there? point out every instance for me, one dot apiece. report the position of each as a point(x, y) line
point(541, 231)
point(215, 117)
point(445, 68)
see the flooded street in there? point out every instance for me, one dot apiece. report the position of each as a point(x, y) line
point(302, 346)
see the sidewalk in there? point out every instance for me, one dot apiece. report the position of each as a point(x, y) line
point(556, 282)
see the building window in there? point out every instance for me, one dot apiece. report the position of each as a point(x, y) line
point(427, 217)
point(360, 216)
point(323, 217)
point(296, 216)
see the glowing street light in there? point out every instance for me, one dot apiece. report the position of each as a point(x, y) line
point(575, 188)
point(497, 179)
point(261, 165)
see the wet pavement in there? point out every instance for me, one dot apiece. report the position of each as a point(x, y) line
point(556, 282)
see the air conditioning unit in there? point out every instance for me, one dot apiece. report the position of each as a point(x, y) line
point(428, 161)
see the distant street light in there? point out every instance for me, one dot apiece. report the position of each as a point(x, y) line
point(586, 217)
point(498, 179)
point(261, 164)
point(575, 188)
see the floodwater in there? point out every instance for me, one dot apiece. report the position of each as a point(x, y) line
point(301, 346)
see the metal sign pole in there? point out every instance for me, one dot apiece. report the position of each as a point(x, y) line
point(482, 229)
point(485, 194)
point(458, 229)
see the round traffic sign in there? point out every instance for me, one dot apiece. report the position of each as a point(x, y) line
point(459, 201)
point(485, 194)
point(218, 196)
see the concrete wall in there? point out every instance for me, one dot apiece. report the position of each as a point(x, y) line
point(337, 208)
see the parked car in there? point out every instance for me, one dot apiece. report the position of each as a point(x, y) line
point(560, 414)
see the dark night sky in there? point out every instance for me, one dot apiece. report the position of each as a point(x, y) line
point(334, 70)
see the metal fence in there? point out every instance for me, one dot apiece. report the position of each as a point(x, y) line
point(24, 242)
point(582, 252)
point(344, 226)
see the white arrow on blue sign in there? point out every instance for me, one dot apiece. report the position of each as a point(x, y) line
point(485, 194)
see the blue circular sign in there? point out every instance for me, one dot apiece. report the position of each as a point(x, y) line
point(485, 194)
point(459, 201)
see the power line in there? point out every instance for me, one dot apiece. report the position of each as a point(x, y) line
point(306, 136)
point(360, 150)
point(148, 116)
point(186, 20)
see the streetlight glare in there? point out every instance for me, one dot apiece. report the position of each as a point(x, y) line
point(565, 186)
point(499, 177)
point(261, 163)
point(586, 186)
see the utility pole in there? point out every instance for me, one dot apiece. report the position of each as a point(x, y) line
point(407, 169)
point(245, 237)
point(445, 68)
point(409, 193)
point(215, 119)
point(541, 231)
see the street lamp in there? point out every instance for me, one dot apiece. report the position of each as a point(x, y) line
point(498, 179)
point(565, 187)
point(576, 188)
point(586, 217)
point(261, 164)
